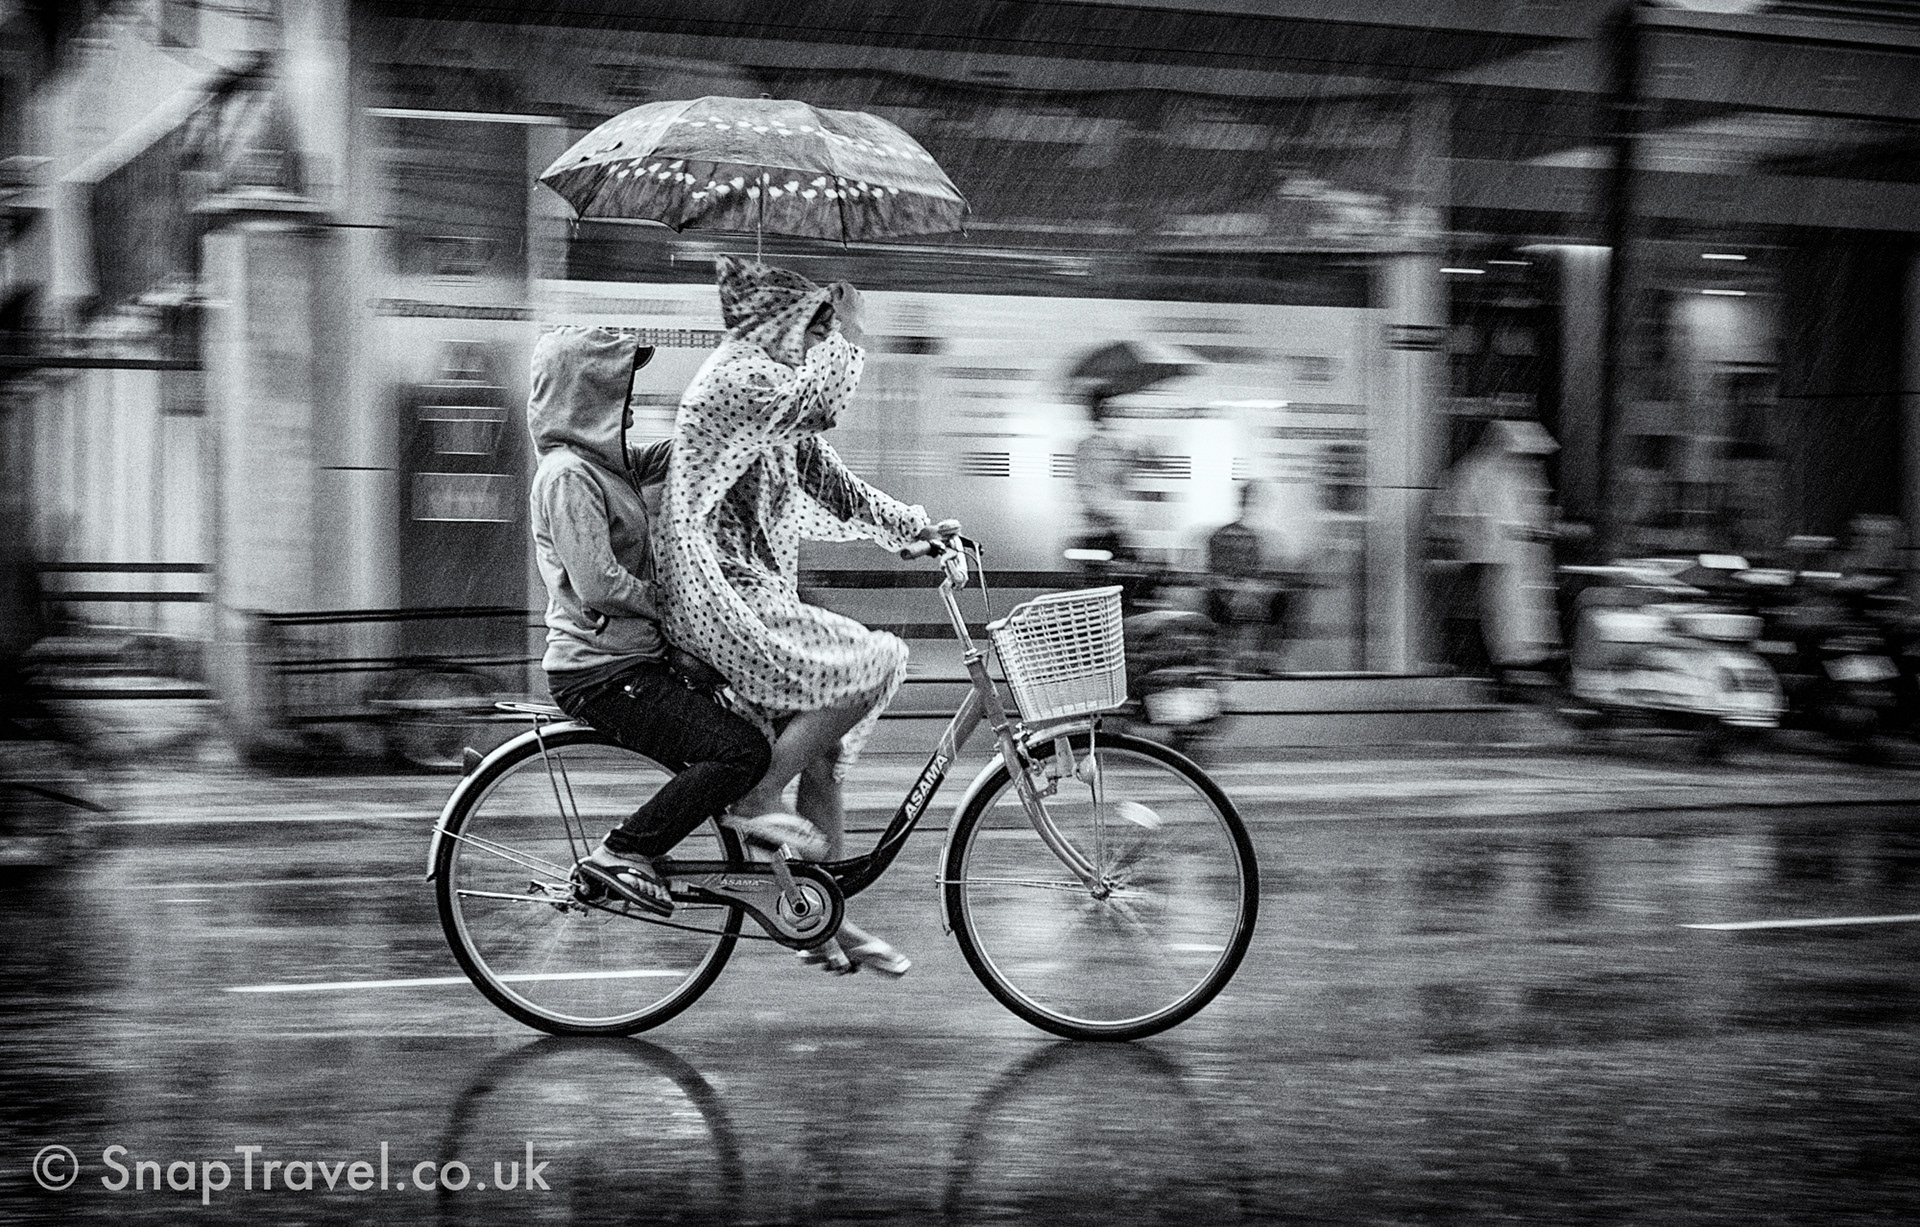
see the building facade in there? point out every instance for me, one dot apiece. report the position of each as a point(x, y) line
point(275, 269)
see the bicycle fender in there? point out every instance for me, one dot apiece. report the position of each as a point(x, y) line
point(470, 781)
point(974, 789)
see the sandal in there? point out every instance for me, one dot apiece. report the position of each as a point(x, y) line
point(629, 881)
point(878, 957)
point(775, 830)
point(828, 958)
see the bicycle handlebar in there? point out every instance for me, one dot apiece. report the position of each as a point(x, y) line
point(949, 531)
point(938, 549)
point(949, 547)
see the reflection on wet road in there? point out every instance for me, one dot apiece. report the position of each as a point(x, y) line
point(1458, 1020)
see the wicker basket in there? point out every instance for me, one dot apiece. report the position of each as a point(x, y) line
point(1063, 653)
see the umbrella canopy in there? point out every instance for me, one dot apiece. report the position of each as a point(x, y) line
point(758, 164)
point(1133, 366)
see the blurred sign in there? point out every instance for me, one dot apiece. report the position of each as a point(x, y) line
point(1421, 337)
point(466, 498)
point(462, 430)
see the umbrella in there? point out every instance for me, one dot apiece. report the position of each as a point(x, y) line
point(1133, 366)
point(758, 163)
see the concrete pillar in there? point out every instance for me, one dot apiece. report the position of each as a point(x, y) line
point(1404, 455)
point(353, 447)
point(260, 373)
point(1408, 418)
point(1909, 387)
point(1580, 278)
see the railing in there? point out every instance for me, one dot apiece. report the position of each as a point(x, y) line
point(332, 666)
point(96, 650)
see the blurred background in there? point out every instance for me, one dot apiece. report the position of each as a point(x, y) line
point(1244, 288)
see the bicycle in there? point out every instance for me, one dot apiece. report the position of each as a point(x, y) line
point(1101, 886)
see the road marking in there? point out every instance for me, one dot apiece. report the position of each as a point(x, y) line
point(217, 820)
point(241, 883)
point(1811, 922)
point(337, 986)
point(1195, 948)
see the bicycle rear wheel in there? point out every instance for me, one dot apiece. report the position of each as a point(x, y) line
point(1156, 941)
point(505, 884)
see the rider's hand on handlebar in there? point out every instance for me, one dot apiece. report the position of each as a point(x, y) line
point(934, 539)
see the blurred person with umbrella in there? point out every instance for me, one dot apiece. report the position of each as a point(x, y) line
point(1106, 463)
point(750, 475)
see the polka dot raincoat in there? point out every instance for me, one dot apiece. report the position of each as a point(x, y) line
point(751, 478)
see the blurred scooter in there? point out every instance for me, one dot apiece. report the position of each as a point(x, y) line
point(1175, 694)
point(1650, 645)
point(1832, 661)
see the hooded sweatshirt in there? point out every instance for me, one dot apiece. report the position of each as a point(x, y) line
point(590, 528)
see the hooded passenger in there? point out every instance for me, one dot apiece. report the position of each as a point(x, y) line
point(606, 659)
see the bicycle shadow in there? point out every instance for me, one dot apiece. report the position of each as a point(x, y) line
point(1096, 1134)
point(1070, 1133)
point(634, 1134)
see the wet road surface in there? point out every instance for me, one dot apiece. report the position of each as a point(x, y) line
point(1457, 1017)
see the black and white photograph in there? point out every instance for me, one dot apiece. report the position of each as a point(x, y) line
point(961, 611)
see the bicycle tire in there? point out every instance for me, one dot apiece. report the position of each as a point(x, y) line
point(990, 944)
point(516, 777)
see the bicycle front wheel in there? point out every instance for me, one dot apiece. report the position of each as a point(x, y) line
point(1153, 940)
point(508, 902)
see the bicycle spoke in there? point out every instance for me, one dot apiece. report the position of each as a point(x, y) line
point(526, 860)
point(542, 900)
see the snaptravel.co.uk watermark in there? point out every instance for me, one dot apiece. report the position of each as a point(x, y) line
point(257, 1168)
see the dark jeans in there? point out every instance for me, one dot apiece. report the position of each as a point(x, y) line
point(716, 755)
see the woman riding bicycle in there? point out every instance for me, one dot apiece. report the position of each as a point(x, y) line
point(749, 479)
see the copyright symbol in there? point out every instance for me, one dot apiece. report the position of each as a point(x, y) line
point(55, 1168)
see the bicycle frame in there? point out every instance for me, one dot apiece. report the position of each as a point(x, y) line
point(855, 874)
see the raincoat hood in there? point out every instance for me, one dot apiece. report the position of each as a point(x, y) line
point(771, 307)
point(582, 378)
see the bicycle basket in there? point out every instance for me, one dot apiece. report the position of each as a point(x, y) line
point(1063, 653)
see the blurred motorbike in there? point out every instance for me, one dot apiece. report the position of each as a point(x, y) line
point(45, 770)
point(1880, 607)
point(1653, 643)
point(1173, 694)
point(1835, 671)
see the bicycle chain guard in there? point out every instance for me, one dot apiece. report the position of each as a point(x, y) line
point(801, 918)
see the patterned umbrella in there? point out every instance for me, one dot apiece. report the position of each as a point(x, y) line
point(758, 164)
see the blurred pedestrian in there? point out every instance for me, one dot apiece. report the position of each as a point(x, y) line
point(1875, 546)
point(1499, 504)
point(1246, 594)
